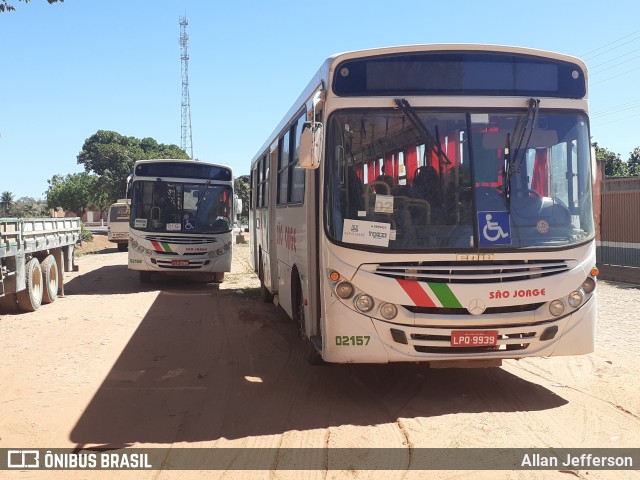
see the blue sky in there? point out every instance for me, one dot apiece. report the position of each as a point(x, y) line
point(73, 68)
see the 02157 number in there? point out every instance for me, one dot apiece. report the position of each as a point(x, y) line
point(352, 341)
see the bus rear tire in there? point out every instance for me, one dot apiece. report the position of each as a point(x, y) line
point(50, 275)
point(265, 294)
point(30, 299)
point(311, 353)
point(122, 247)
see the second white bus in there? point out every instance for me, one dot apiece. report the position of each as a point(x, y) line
point(181, 219)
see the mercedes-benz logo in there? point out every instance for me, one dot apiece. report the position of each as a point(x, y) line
point(476, 306)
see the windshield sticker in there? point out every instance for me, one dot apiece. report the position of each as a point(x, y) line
point(366, 233)
point(384, 204)
point(362, 213)
point(542, 226)
point(140, 223)
point(495, 228)
point(189, 224)
point(174, 227)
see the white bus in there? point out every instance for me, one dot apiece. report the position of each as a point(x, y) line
point(118, 224)
point(432, 203)
point(181, 219)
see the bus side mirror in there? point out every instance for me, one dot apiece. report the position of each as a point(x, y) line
point(311, 140)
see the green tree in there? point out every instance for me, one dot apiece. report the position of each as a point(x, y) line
point(30, 207)
point(5, 6)
point(72, 193)
point(7, 202)
point(633, 165)
point(613, 164)
point(111, 156)
point(241, 188)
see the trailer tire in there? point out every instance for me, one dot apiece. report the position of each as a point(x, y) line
point(30, 299)
point(8, 303)
point(50, 275)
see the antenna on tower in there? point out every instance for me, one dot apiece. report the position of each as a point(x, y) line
point(186, 141)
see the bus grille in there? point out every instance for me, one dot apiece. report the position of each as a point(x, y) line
point(199, 240)
point(500, 271)
point(526, 307)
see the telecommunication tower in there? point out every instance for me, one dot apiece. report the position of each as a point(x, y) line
point(186, 142)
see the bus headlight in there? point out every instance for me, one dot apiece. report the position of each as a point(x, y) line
point(388, 311)
point(589, 285)
point(556, 308)
point(211, 254)
point(575, 298)
point(220, 251)
point(363, 302)
point(344, 290)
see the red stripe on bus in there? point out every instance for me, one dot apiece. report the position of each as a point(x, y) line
point(416, 293)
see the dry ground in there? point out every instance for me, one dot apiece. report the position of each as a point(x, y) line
point(115, 363)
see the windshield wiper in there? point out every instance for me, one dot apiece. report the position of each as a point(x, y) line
point(520, 151)
point(430, 142)
point(204, 192)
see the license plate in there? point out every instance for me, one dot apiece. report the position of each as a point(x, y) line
point(474, 338)
point(179, 263)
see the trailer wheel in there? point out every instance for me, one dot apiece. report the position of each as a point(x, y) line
point(30, 299)
point(50, 275)
point(8, 303)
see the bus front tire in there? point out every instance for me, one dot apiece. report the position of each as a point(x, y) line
point(265, 294)
point(311, 353)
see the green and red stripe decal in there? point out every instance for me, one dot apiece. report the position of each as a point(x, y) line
point(161, 246)
point(425, 294)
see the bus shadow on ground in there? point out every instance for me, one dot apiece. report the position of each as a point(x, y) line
point(118, 279)
point(227, 366)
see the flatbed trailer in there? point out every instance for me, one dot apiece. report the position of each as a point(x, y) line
point(34, 254)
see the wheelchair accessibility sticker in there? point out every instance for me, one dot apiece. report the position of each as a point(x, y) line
point(189, 224)
point(495, 228)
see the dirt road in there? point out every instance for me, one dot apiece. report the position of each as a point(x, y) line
point(115, 364)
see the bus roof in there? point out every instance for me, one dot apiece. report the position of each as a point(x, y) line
point(322, 76)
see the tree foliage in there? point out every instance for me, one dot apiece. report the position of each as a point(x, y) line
point(613, 164)
point(73, 192)
point(111, 156)
point(22, 207)
point(241, 188)
point(7, 202)
point(633, 165)
point(5, 6)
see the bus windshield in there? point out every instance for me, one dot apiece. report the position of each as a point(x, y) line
point(416, 179)
point(159, 206)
